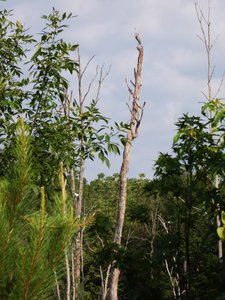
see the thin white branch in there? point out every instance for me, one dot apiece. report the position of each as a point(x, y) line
point(90, 84)
point(102, 78)
point(86, 66)
point(57, 286)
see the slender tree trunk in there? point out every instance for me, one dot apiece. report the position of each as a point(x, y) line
point(78, 240)
point(68, 281)
point(123, 191)
point(218, 220)
point(136, 116)
point(57, 286)
point(207, 41)
point(172, 271)
point(104, 282)
point(187, 263)
point(78, 274)
point(78, 199)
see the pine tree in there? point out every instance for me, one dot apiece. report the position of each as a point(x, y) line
point(33, 236)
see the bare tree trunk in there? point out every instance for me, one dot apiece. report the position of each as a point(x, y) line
point(57, 286)
point(68, 281)
point(78, 239)
point(136, 112)
point(218, 220)
point(78, 198)
point(104, 282)
point(120, 214)
point(73, 274)
point(172, 271)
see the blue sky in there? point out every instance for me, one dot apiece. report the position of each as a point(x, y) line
point(174, 70)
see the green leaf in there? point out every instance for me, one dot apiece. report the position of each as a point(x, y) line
point(223, 217)
point(176, 137)
point(107, 162)
point(64, 16)
point(221, 233)
point(44, 38)
point(19, 26)
point(220, 115)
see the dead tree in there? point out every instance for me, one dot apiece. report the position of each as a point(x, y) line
point(77, 273)
point(136, 113)
point(205, 37)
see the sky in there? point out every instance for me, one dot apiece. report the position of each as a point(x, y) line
point(174, 69)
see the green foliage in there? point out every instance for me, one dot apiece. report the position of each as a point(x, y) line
point(193, 143)
point(33, 240)
point(50, 60)
point(216, 110)
point(138, 212)
point(184, 182)
point(60, 130)
point(93, 129)
point(39, 95)
point(13, 41)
